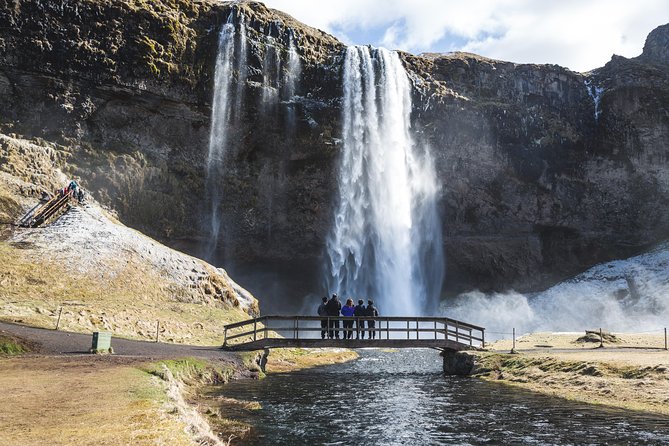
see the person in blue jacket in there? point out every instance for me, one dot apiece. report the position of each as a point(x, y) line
point(348, 310)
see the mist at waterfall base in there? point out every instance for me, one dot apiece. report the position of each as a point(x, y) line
point(630, 295)
point(385, 243)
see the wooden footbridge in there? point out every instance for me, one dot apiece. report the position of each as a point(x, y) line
point(388, 332)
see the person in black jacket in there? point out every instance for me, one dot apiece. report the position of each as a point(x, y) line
point(323, 311)
point(334, 306)
point(360, 311)
point(371, 311)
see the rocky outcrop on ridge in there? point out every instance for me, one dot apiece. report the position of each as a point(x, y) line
point(544, 171)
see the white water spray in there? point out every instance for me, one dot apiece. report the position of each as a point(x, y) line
point(386, 242)
point(623, 295)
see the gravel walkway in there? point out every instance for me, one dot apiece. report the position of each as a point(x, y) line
point(66, 343)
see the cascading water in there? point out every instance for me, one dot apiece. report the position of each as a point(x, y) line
point(226, 110)
point(386, 241)
point(294, 69)
point(595, 93)
point(292, 76)
point(271, 73)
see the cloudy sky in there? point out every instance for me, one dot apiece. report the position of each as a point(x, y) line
point(578, 34)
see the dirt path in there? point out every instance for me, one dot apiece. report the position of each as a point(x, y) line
point(66, 343)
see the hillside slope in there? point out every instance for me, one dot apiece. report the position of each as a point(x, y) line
point(104, 275)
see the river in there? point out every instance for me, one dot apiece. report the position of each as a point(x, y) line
point(403, 398)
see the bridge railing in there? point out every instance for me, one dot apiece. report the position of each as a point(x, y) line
point(309, 327)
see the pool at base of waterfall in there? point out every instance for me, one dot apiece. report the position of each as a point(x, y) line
point(402, 397)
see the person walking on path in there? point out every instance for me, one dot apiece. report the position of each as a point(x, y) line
point(323, 311)
point(348, 311)
point(359, 312)
point(371, 311)
point(333, 307)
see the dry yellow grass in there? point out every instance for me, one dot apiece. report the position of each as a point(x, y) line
point(291, 359)
point(622, 374)
point(83, 401)
point(32, 289)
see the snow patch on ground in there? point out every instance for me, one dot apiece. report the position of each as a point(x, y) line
point(91, 242)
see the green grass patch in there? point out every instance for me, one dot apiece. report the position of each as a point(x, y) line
point(142, 389)
point(192, 371)
point(11, 346)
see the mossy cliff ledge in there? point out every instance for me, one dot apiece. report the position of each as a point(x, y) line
point(544, 171)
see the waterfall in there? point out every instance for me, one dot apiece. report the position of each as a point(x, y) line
point(386, 241)
point(293, 70)
point(291, 79)
point(271, 68)
point(595, 94)
point(225, 116)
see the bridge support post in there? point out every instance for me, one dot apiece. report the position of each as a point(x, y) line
point(263, 360)
point(458, 363)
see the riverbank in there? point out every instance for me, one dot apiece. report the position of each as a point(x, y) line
point(631, 371)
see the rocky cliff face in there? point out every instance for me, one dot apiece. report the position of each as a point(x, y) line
point(544, 171)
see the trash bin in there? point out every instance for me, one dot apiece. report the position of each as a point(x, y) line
point(101, 342)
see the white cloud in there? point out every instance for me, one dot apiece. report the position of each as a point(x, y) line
point(577, 34)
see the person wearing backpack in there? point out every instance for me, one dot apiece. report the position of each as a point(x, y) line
point(333, 307)
point(371, 311)
point(360, 311)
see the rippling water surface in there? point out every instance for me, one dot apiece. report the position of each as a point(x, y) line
point(402, 398)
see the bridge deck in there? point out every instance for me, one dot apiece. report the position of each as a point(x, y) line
point(347, 343)
point(391, 332)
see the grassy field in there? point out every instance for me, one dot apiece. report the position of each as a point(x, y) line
point(33, 290)
point(84, 401)
point(632, 372)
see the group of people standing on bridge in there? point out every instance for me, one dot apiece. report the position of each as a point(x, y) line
point(332, 308)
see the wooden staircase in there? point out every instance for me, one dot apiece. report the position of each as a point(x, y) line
point(48, 211)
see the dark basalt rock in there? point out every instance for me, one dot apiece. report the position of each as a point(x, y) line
point(458, 363)
point(535, 187)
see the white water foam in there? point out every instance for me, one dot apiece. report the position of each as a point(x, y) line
point(624, 295)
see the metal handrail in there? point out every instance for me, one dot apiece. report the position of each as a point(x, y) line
point(342, 318)
point(450, 328)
